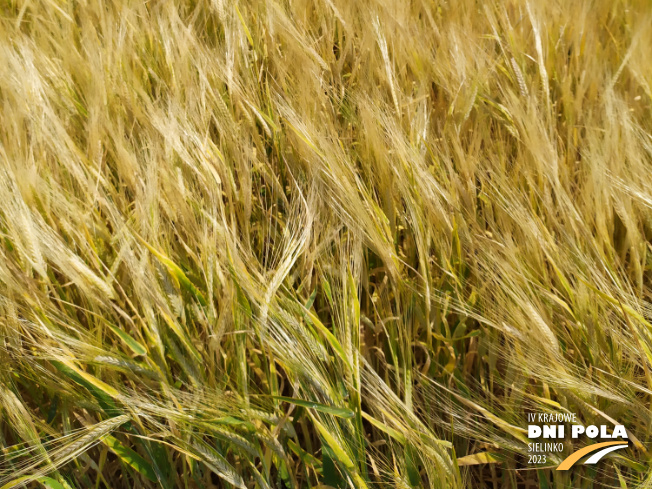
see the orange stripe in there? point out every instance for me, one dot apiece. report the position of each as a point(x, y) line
point(575, 456)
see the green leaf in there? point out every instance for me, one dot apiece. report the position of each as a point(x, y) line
point(131, 458)
point(50, 483)
point(17, 482)
point(46, 482)
point(327, 289)
point(411, 466)
point(136, 347)
point(330, 337)
point(399, 437)
point(305, 457)
point(335, 411)
point(480, 458)
point(103, 392)
point(311, 299)
point(543, 479)
point(332, 477)
point(183, 336)
point(176, 272)
point(231, 421)
point(338, 451)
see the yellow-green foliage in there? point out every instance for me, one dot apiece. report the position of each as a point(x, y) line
point(291, 243)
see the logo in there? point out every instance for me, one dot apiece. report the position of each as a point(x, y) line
point(601, 450)
point(553, 428)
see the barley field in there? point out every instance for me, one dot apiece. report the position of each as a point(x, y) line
point(323, 244)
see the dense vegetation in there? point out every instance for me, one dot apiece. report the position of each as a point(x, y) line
point(286, 243)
